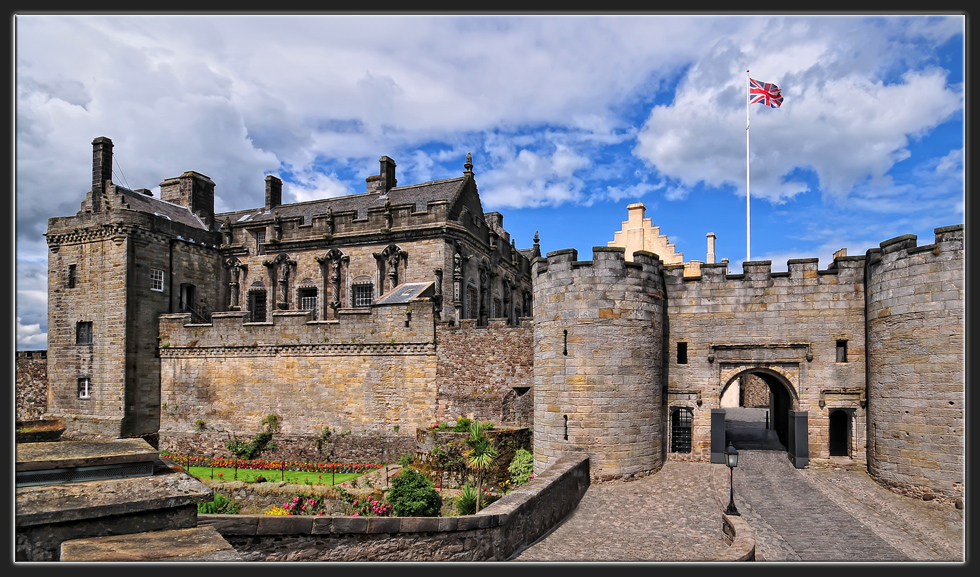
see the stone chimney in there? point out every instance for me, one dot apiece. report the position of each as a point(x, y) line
point(273, 192)
point(711, 248)
point(101, 170)
point(193, 190)
point(387, 175)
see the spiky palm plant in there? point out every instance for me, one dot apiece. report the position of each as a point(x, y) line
point(482, 454)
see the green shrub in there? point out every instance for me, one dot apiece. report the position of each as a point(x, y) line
point(466, 501)
point(521, 467)
point(462, 425)
point(219, 505)
point(406, 459)
point(413, 495)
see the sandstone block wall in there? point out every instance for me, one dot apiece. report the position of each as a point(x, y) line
point(598, 338)
point(784, 327)
point(916, 356)
point(31, 388)
point(487, 371)
point(365, 374)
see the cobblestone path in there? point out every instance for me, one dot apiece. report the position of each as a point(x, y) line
point(793, 521)
point(669, 516)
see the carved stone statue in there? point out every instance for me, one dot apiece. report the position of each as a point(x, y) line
point(277, 225)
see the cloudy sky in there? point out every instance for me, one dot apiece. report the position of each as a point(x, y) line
point(569, 119)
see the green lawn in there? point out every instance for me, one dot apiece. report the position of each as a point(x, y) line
point(249, 475)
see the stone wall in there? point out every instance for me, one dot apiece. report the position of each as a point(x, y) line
point(31, 388)
point(916, 357)
point(485, 373)
point(367, 374)
point(784, 328)
point(496, 533)
point(598, 383)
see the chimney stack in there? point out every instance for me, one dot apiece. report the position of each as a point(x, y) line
point(101, 170)
point(273, 192)
point(387, 175)
point(711, 248)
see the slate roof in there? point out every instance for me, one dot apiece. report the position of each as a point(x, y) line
point(405, 292)
point(418, 194)
point(142, 203)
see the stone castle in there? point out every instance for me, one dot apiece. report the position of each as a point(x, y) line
point(381, 313)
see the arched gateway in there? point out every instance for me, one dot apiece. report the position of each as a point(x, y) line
point(783, 400)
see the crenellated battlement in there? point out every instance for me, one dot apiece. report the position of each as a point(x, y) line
point(949, 239)
point(844, 269)
point(608, 263)
point(404, 324)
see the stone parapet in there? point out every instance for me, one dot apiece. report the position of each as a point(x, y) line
point(497, 533)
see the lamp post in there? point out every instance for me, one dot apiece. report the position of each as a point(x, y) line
point(211, 459)
point(731, 459)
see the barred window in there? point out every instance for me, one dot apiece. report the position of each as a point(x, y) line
point(307, 300)
point(84, 388)
point(72, 272)
point(156, 280)
point(363, 294)
point(83, 333)
point(842, 351)
point(680, 430)
point(256, 305)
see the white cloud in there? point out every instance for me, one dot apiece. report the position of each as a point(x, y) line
point(30, 336)
point(846, 126)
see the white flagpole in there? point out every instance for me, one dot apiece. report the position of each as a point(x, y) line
point(748, 253)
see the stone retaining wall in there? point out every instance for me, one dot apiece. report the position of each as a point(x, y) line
point(496, 533)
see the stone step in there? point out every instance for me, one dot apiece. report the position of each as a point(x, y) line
point(193, 544)
point(72, 454)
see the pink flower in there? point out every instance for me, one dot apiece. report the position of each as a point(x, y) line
point(355, 514)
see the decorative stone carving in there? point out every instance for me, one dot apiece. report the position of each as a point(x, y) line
point(281, 263)
point(334, 260)
point(389, 262)
point(236, 267)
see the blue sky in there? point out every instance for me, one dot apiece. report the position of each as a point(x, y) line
point(569, 119)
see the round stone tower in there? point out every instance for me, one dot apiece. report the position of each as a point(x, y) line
point(598, 351)
point(916, 363)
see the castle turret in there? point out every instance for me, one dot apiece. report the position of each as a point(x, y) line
point(598, 371)
point(916, 363)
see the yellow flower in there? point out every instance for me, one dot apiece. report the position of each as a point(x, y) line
point(276, 511)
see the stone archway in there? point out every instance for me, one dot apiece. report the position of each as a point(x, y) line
point(762, 428)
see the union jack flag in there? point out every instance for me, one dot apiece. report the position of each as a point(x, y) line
point(764, 92)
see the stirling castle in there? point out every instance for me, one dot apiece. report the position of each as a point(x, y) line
point(381, 313)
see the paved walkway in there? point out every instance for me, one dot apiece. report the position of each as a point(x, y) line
point(831, 511)
point(669, 516)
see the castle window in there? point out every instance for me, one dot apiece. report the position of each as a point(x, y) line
point(472, 303)
point(72, 271)
point(680, 430)
point(259, 235)
point(84, 388)
point(256, 305)
point(363, 294)
point(307, 300)
point(681, 353)
point(842, 351)
point(156, 280)
point(83, 333)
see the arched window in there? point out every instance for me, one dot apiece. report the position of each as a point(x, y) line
point(680, 430)
point(257, 299)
